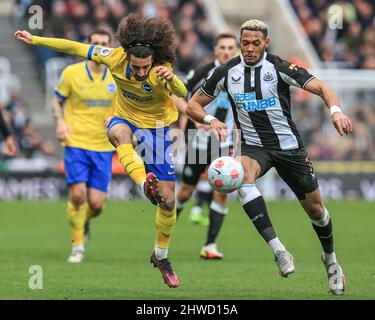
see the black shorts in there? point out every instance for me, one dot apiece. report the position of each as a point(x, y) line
point(293, 166)
point(193, 171)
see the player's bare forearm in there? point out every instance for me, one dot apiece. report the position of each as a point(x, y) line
point(62, 45)
point(319, 88)
point(340, 121)
point(194, 108)
point(62, 129)
point(57, 109)
point(180, 103)
point(181, 106)
point(196, 112)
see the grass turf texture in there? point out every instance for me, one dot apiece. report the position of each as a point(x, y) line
point(117, 263)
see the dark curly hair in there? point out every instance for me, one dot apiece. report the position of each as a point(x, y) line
point(144, 36)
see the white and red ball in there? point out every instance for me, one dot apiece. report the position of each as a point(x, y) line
point(225, 174)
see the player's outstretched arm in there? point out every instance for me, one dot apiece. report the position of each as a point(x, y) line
point(62, 45)
point(341, 122)
point(196, 112)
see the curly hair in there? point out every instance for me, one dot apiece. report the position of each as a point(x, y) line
point(144, 36)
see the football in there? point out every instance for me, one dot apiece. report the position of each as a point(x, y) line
point(225, 174)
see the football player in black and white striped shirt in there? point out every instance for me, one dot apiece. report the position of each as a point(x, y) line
point(257, 83)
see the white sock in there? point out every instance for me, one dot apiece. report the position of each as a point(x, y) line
point(324, 220)
point(276, 245)
point(329, 258)
point(196, 210)
point(161, 253)
point(79, 248)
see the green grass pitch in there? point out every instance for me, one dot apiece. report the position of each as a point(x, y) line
point(117, 257)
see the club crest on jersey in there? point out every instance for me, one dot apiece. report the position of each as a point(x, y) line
point(105, 52)
point(147, 87)
point(268, 76)
point(111, 88)
point(236, 80)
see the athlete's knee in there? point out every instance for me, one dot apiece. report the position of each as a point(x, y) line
point(77, 197)
point(250, 175)
point(314, 209)
point(251, 170)
point(114, 137)
point(119, 135)
point(96, 207)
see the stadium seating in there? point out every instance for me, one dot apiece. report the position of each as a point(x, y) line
point(352, 43)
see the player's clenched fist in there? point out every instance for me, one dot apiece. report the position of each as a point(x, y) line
point(164, 73)
point(24, 36)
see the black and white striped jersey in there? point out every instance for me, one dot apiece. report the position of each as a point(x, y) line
point(220, 107)
point(260, 99)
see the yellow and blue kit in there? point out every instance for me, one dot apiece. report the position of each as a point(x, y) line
point(88, 100)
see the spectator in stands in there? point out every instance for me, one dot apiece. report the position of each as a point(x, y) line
point(356, 38)
point(74, 20)
point(30, 142)
point(9, 141)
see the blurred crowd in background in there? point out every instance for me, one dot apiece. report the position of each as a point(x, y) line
point(321, 139)
point(353, 46)
point(30, 143)
point(76, 19)
point(342, 32)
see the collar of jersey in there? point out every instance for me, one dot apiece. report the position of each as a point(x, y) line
point(89, 72)
point(255, 65)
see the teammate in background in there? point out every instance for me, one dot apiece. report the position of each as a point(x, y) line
point(9, 141)
point(144, 107)
point(86, 91)
point(258, 84)
point(202, 143)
